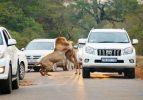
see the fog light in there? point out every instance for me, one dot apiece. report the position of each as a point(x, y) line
point(86, 60)
point(1, 70)
point(131, 60)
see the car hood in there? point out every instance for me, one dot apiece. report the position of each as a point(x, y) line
point(109, 45)
point(37, 52)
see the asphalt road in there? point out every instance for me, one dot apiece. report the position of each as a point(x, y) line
point(68, 86)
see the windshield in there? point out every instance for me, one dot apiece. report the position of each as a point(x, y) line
point(1, 40)
point(40, 46)
point(108, 37)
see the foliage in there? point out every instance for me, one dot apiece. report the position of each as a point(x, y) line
point(29, 19)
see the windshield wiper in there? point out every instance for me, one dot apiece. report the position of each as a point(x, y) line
point(106, 42)
point(122, 42)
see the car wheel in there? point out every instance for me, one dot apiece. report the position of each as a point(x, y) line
point(15, 83)
point(85, 72)
point(120, 73)
point(129, 73)
point(7, 84)
point(21, 71)
point(36, 69)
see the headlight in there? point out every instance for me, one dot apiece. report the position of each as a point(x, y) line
point(90, 50)
point(2, 69)
point(1, 54)
point(128, 50)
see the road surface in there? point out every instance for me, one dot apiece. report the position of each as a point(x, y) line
point(68, 86)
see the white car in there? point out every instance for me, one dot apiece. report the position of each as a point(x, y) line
point(9, 62)
point(109, 50)
point(23, 64)
point(37, 49)
point(80, 45)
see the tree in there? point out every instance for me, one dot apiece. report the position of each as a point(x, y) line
point(134, 26)
point(94, 13)
point(13, 18)
point(49, 13)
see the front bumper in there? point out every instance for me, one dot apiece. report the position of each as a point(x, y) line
point(32, 61)
point(122, 61)
point(4, 63)
point(32, 64)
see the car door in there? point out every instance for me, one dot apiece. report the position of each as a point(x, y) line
point(12, 51)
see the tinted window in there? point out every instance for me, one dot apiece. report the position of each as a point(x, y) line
point(108, 37)
point(6, 37)
point(40, 46)
point(7, 34)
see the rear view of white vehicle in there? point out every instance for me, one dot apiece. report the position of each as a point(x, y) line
point(109, 50)
point(9, 63)
point(80, 45)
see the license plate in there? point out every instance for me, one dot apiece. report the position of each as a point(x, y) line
point(109, 60)
point(31, 60)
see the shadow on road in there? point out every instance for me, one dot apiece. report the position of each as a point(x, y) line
point(106, 76)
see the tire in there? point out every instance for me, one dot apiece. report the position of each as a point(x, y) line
point(85, 72)
point(7, 84)
point(129, 73)
point(65, 68)
point(21, 71)
point(36, 69)
point(120, 73)
point(15, 83)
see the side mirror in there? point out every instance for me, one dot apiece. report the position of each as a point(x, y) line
point(22, 49)
point(11, 42)
point(75, 46)
point(135, 41)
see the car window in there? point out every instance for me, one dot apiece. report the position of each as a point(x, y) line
point(108, 37)
point(6, 37)
point(40, 46)
point(1, 39)
point(7, 34)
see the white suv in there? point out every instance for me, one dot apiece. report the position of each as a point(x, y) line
point(9, 62)
point(109, 50)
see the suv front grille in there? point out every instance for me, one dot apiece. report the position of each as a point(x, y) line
point(33, 57)
point(36, 57)
point(28, 57)
point(109, 52)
